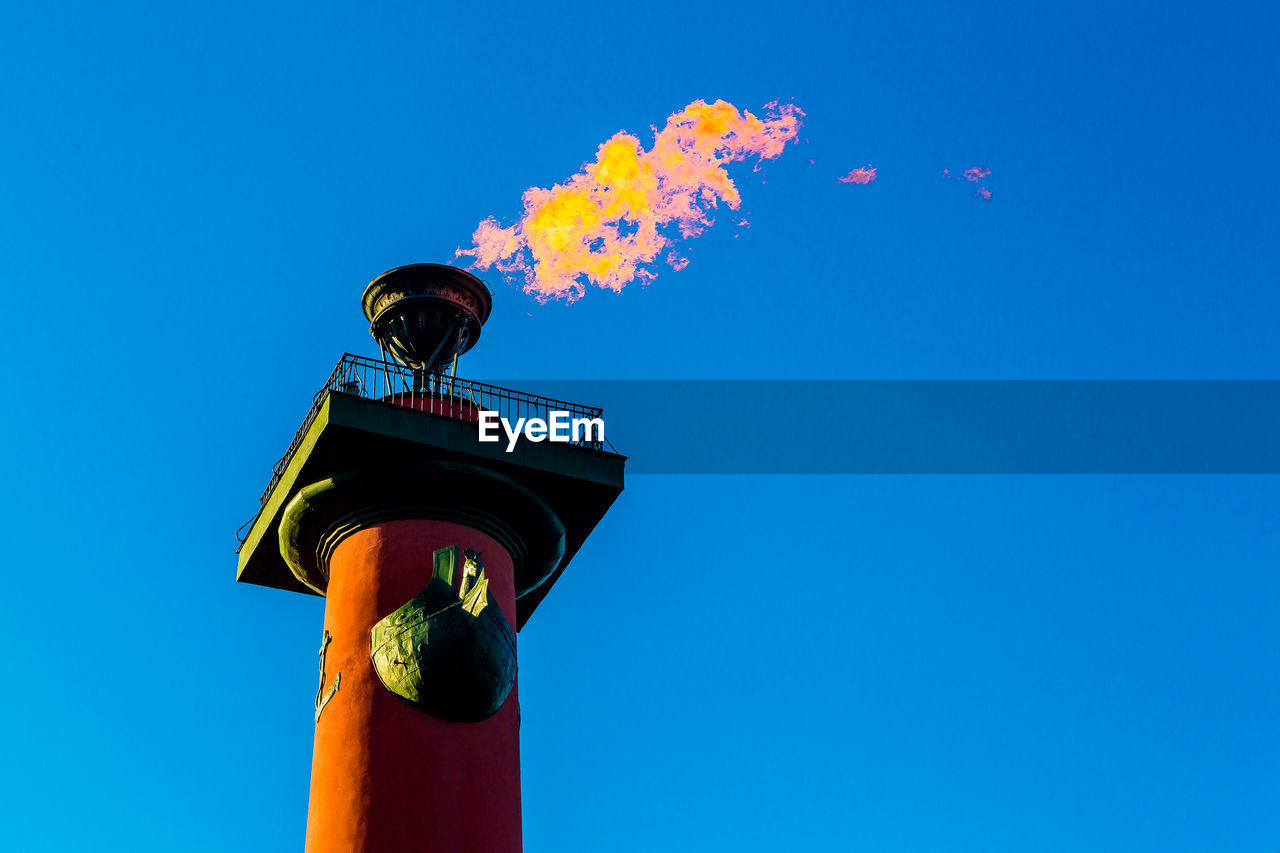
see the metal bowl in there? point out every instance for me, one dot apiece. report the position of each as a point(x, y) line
point(424, 314)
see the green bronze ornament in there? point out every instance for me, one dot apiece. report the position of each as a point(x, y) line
point(449, 650)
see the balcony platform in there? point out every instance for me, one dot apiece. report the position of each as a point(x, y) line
point(345, 430)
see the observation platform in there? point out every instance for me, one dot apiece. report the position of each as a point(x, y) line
point(379, 414)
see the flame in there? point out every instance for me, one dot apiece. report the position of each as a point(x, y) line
point(983, 193)
point(977, 173)
point(607, 225)
point(865, 175)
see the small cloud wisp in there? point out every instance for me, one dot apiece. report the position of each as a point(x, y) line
point(865, 175)
point(975, 174)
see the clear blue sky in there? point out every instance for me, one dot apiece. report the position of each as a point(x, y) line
point(191, 200)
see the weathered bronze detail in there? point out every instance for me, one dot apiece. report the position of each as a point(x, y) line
point(449, 651)
point(322, 700)
point(424, 313)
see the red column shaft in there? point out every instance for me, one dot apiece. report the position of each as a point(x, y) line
point(386, 776)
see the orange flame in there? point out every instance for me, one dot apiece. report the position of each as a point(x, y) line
point(977, 173)
point(606, 225)
point(865, 175)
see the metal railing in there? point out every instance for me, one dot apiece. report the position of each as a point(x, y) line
point(433, 393)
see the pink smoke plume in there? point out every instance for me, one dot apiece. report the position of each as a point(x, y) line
point(865, 175)
point(608, 224)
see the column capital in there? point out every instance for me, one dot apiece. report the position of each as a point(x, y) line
point(327, 511)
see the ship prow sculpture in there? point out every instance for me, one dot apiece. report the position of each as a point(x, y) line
point(449, 650)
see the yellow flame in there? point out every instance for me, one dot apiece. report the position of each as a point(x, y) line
point(607, 225)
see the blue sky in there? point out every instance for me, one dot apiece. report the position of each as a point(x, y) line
point(191, 200)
